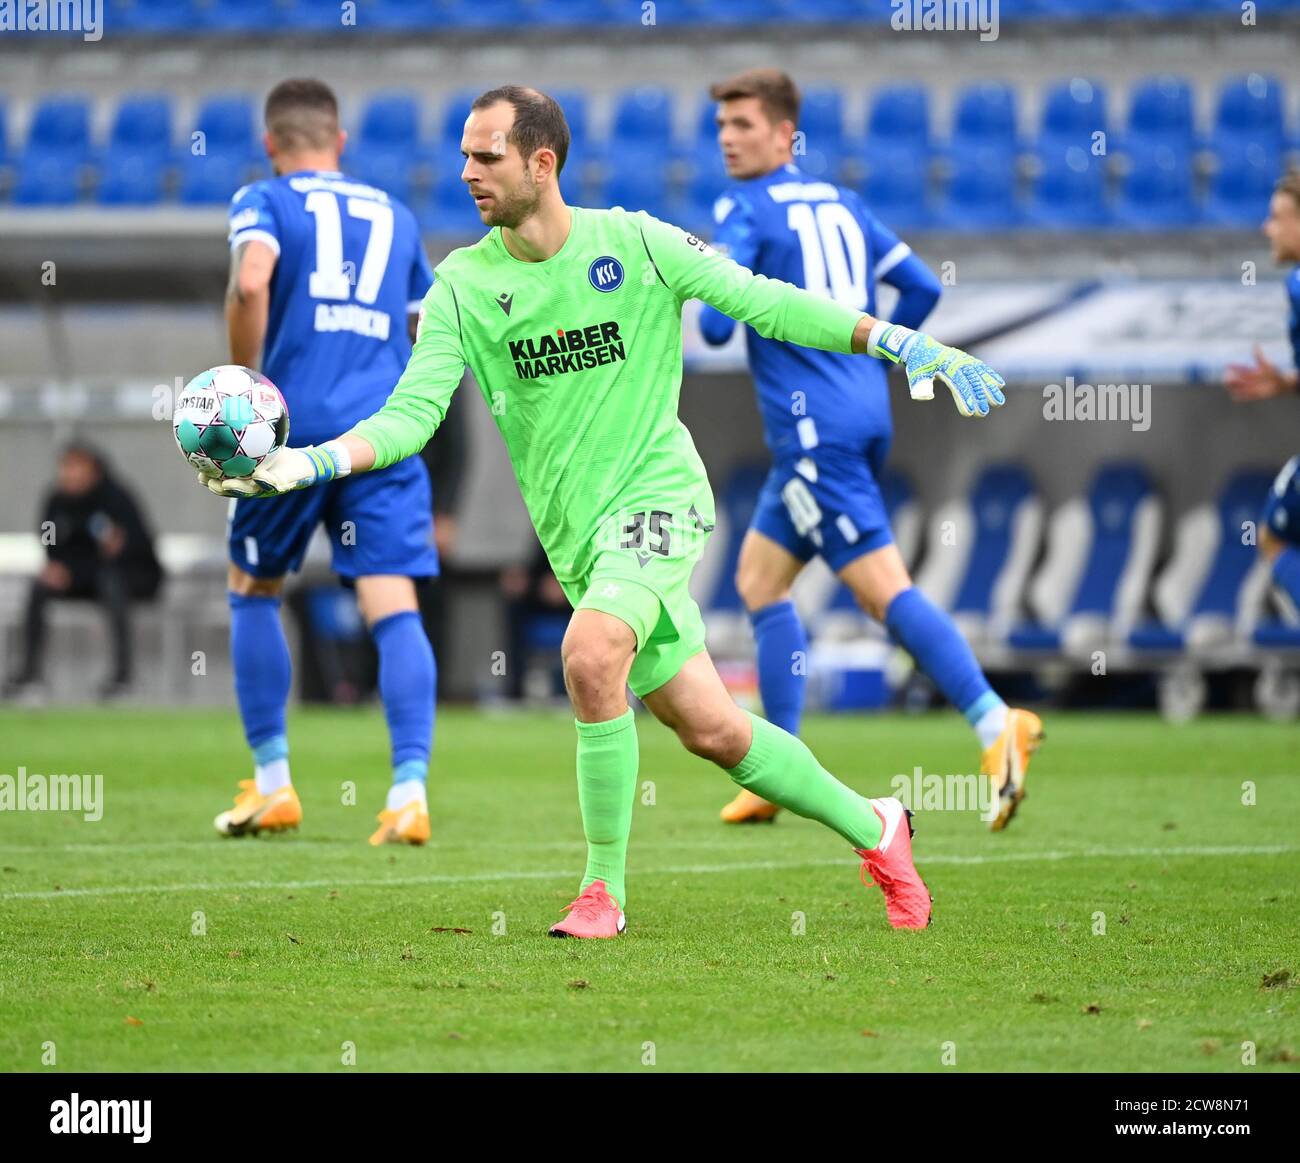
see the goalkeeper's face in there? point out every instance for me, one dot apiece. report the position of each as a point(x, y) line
point(502, 184)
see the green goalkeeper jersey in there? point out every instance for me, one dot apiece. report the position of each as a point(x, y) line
point(579, 358)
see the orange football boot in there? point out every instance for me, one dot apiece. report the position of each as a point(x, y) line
point(1006, 763)
point(405, 825)
point(889, 864)
point(594, 914)
point(253, 812)
point(747, 808)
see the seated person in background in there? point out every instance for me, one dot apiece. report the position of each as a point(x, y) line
point(98, 547)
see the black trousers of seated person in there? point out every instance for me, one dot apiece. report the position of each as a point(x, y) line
point(111, 585)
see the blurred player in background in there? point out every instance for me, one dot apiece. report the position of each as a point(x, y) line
point(1279, 533)
point(570, 320)
point(826, 420)
point(325, 274)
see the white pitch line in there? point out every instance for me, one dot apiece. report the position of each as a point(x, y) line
point(682, 870)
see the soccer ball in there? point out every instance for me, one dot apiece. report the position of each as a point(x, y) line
point(228, 420)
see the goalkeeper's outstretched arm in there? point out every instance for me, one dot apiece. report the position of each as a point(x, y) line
point(399, 429)
point(778, 310)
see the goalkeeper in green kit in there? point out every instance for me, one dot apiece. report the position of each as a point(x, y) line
point(570, 320)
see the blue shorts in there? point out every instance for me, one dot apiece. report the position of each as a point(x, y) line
point(378, 523)
point(1281, 515)
point(826, 503)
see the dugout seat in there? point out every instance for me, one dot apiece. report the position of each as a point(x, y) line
point(980, 548)
point(1201, 595)
point(1090, 590)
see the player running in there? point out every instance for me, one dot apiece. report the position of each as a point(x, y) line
point(571, 321)
point(826, 420)
point(326, 273)
point(1279, 524)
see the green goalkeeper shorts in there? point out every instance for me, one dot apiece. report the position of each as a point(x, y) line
point(654, 600)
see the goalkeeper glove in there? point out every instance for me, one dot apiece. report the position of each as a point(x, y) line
point(286, 470)
point(974, 385)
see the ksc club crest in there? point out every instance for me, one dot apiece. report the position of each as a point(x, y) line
point(605, 274)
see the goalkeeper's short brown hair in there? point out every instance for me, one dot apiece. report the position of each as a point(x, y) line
point(776, 92)
point(1289, 183)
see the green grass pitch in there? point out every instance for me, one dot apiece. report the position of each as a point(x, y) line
point(144, 941)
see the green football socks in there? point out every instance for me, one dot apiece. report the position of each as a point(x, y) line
point(781, 769)
point(607, 768)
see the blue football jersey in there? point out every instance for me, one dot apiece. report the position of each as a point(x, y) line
point(819, 236)
point(350, 268)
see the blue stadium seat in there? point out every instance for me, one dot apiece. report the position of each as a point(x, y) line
point(392, 170)
point(61, 126)
point(506, 14)
point(387, 150)
point(1157, 192)
point(1250, 110)
point(398, 16)
point(226, 123)
point(1199, 594)
point(237, 16)
point(389, 120)
point(737, 11)
point(1077, 598)
point(1161, 113)
point(981, 192)
point(1073, 112)
point(819, 146)
point(46, 179)
point(454, 114)
point(142, 125)
point(985, 118)
point(708, 178)
point(644, 116)
point(327, 15)
point(585, 13)
point(211, 179)
point(4, 132)
point(897, 188)
point(899, 120)
point(131, 178)
point(638, 187)
point(451, 210)
point(1070, 192)
point(56, 150)
point(150, 17)
point(1243, 184)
